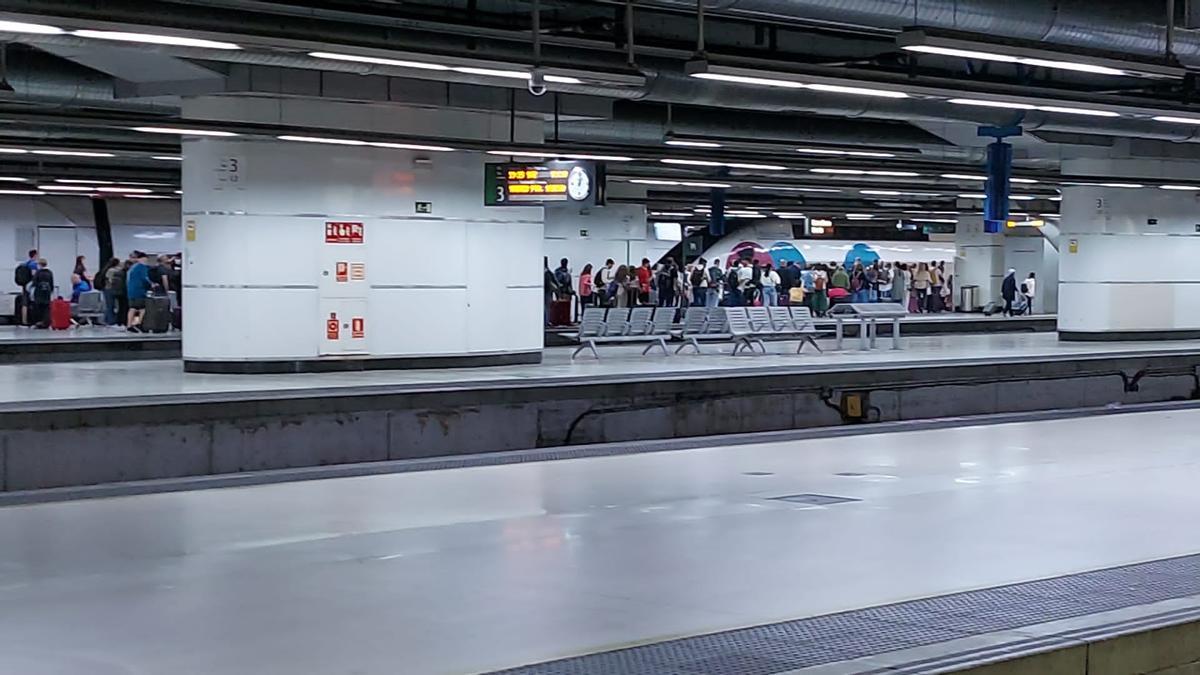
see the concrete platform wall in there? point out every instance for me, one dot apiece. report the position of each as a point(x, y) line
point(47, 449)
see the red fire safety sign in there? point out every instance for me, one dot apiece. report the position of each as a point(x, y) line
point(343, 233)
point(358, 328)
point(332, 327)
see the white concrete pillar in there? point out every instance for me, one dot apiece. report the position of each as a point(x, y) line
point(979, 260)
point(303, 256)
point(1128, 257)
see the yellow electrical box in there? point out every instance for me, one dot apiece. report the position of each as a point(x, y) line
point(853, 407)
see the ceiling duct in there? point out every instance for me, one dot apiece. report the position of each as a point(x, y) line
point(1135, 27)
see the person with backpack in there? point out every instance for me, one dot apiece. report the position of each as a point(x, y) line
point(41, 294)
point(715, 281)
point(22, 277)
point(699, 284)
point(666, 283)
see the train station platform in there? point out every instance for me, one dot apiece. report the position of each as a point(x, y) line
point(97, 343)
point(72, 425)
point(1051, 542)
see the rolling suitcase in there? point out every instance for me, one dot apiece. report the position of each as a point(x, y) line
point(560, 312)
point(60, 314)
point(157, 318)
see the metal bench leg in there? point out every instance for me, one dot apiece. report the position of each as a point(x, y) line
point(689, 342)
point(808, 340)
point(761, 346)
point(660, 343)
point(589, 345)
point(895, 333)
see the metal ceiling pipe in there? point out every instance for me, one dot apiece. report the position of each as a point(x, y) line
point(40, 79)
point(647, 124)
point(1131, 26)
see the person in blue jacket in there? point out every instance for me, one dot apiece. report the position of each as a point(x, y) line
point(137, 287)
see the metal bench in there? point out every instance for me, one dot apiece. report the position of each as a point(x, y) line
point(703, 323)
point(798, 322)
point(868, 316)
point(90, 308)
point(742, 328)
point(641, 324)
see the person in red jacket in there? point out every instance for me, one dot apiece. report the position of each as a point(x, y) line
point(644, 274)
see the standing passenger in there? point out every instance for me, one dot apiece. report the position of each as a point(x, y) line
point(1030, 292)
point(715, 281)
point(586, 296)
point(42, 293)
point(1008, 291)
point(114, 283)
point(770, 284)
point(920, 284)
point(137, 287)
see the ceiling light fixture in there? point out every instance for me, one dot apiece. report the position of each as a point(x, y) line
point(12, 179)
point(1008, 105)
point(183, 132)
point(149, 38)
point(880, 192)
point(704, 70)
point(731, 165)
point(557, 155)
point(1179, 187)
point(692, 144)
point(129, 190)
point(1176, 120)
point(21, 192)
point(411, 146)
point(1122, 185)
point(72, 153)
point(13, 151)
point(791, 188)
point(964, 176)
point(168, 158)
point(926, 42)
point(29, 28)
point(66, 188)
point(395, 63)
point(1027, 181)
point(82, 181)
point(317, 139)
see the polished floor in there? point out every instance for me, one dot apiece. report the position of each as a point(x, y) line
point(470, 570)
point(42, 385)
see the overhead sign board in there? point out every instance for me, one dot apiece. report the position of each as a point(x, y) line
point(543, 182)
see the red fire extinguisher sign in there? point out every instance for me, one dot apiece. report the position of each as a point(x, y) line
point(332, 327)
point(358, 328)
point(342, 272)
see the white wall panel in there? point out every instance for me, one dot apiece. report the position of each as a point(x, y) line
point(250, 324)
point(441, 284)
point(417, 322)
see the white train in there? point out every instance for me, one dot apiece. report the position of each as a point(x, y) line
point(811, 251)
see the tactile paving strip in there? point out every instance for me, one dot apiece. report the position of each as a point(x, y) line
point(780, 647)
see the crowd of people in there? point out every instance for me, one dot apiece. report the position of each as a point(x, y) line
point(921, 287)
point(126, 285)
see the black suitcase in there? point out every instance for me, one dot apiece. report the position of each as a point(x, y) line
point(157, 318)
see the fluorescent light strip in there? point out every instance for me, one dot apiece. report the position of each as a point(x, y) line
point(789, 188)
point(317, 139)
point(71, 153)
point(858, 91)
point(168, 158)
point(1179, 187)
point(692, 144)
point(786, 214)
point(411, 146)
point(670, 214)
point(1176, 120)
point(1006, 58)
point(843, 153)
point(513, 74)
point(21, 192)
point(556, 155)
point(66, 188)
point(141, 191)
point(731, 165)
point(862, 172)
point(1121, 185)
point(1027, 181)
point(395, 63)
point(963, 53)
point(1015, 105)
point(880, 192)
point(149, 38)
point(29, 28)
point(12, 179)
point(13, 151)
point(183, 132)
point(964, 176)
point(743, 79)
